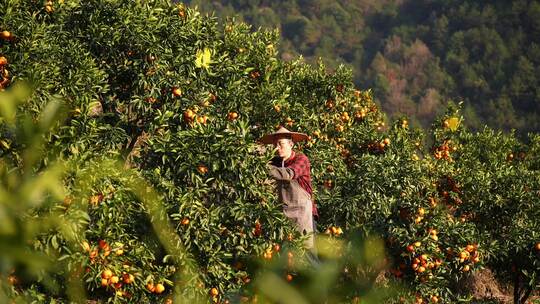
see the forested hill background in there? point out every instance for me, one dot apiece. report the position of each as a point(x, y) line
point(417, 55)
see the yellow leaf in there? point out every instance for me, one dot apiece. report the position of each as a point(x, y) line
point(203, 58)
point(453, 123)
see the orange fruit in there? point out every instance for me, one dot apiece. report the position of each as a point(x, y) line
point(94, 253)
point(329, 103)
point(189, 115)
point(434, 299)
point(159, 288)
point(214, 292)
point(410, 248)
point(469, 248)
point(537, 246)
point(150, 286)
point(202, 169)
point(114, 279)
point(150, 99)
point(417, 244)
point(106, 274)
point(466, 268)
point(232, 116)
point(185, 221)
point(128, 278)
point(202, 119)
point(289, 277)
point(177, 92)
point(103, 244)
point(5, 35)
point(104, 282)
point(386, 141)
point(328, 183)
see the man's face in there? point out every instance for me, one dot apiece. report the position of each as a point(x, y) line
point(284, 147)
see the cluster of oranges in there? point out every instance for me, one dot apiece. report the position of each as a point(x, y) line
point(269, 252)
point(202, 169)
point(257, 230)
point(155, 288)
point(232, 116)
point(423, 262)
point(190, 117)
point(254, 74)
point(328, 184)
point(468, 256)
point(49, 6)
point(181, 10)
point(289, 122)
point(513, 156)
point(443, 151)
point(4, 73)
point(379, 146)
point(103, 247)
point(412, 247)
point(109, 279)
point(432, 299)
point(94, 200)
point(214, 292)
point(419, 215)
point(333, 230)
point(360, 114)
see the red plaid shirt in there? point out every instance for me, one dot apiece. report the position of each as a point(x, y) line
point(299, 163)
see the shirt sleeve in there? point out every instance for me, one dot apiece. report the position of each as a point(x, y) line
point(283, 174)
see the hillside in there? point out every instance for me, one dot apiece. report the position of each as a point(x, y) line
point(418, 55)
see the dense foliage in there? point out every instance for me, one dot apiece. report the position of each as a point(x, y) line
point(417, 55)
point(151, 187)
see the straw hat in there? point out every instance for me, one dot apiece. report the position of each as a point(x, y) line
point(282, 133)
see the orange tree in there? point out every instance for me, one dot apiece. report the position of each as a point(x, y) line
point(495, 186)
point(181, 100)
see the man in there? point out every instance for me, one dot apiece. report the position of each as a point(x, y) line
point(291, 170)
